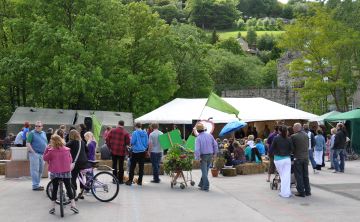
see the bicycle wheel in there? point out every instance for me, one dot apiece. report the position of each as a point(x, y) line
point(104, 186)
point(61, 188)
point(66, 199)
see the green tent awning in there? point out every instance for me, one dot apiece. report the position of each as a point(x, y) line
point(353, 114)
point(324, 116)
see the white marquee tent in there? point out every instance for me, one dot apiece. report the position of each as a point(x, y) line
point(183, 111)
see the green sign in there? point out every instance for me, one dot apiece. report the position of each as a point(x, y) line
point(190, 143)
point(167, 140)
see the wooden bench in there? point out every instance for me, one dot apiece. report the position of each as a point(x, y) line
point(250, 168)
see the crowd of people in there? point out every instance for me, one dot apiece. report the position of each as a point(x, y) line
point(69, 151)
point(285, 144)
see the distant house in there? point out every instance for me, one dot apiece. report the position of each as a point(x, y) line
point(244, 45)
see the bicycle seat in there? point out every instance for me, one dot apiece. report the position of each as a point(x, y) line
point(92, 163)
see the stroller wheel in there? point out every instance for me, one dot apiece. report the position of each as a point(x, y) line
point(182, 186)
point(171, 184)
point(192, 183)
point(271, 186)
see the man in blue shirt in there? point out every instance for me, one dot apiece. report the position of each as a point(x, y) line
point(205, 149)
point(36, 143)
point(139, 143)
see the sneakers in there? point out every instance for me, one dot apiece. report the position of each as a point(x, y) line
point(299, 194)
point(155, 181)
point(40, 188)
point(74, 209)
point(52, 211)
point(129, 183)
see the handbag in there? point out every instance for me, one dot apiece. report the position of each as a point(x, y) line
point(72, 165)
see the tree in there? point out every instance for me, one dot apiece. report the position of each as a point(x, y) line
point(230, 71)
point(329, 51)
point(232, 45)
point(214, 37)
point(189, 55)
point(169, 13)
point(266, 42)
point(251, 37)
point(213, 14)
point(269, 74)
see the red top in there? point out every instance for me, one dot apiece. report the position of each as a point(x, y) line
point(59, 160)
point(117, 140)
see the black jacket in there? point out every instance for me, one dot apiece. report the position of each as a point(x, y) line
point(282, 146)
point(340, 140)
point(82, 159)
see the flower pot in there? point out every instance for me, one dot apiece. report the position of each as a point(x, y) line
point(214, 172)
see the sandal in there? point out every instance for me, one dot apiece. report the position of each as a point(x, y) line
point(52, 211)
point(74, 209)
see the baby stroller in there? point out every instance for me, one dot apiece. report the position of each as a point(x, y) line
point(275, 184)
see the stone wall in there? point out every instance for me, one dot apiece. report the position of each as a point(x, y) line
point(284, 96)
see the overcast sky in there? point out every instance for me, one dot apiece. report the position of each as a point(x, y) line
point(283, 1)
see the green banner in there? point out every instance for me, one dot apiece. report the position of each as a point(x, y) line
point(190, 143)
point(96, 127)
point(215, 102)
point(167, 140)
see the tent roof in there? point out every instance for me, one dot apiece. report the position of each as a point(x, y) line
point(32, 115)
point(353, 114)
point(106, 118)
point(324, 116)
point(183, 111)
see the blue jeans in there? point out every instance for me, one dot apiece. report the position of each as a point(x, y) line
point(155, 161)
point(341, 153)
point(205, 163)
point(311, 159)
point(36, 168)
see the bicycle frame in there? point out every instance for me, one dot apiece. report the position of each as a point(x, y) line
point(87, 183)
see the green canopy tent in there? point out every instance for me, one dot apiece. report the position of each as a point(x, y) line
point(353, 117)
point(324, 116)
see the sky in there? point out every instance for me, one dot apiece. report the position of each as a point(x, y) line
point(283, 1)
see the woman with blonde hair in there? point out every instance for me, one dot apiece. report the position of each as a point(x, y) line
point(91, 145)
point(59, 159)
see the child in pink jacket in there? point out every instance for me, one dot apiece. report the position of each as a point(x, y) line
point(59, 159)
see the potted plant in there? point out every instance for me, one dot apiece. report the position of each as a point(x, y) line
point(219, 163)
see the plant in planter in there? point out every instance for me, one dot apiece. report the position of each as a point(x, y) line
point(178, 158)
point(219, 163)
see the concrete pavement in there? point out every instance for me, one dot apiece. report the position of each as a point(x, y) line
point(336, 197)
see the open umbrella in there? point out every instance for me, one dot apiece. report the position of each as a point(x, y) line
point(231, 127)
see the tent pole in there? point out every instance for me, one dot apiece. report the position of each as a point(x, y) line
point(183, 131)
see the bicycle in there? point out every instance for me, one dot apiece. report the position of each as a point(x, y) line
point(103, 185)
point(62, 198)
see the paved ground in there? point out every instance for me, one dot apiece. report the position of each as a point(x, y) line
point(336, 197)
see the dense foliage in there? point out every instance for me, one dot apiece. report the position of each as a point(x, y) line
point(329, 63)
point(105, 55)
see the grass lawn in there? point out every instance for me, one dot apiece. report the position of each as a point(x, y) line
point(231, 33)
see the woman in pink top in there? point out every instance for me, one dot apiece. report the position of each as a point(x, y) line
point(59, 159)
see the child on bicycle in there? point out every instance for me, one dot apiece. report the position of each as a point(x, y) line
point(59, 159)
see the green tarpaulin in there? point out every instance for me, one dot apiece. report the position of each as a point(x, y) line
point(354, 117)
